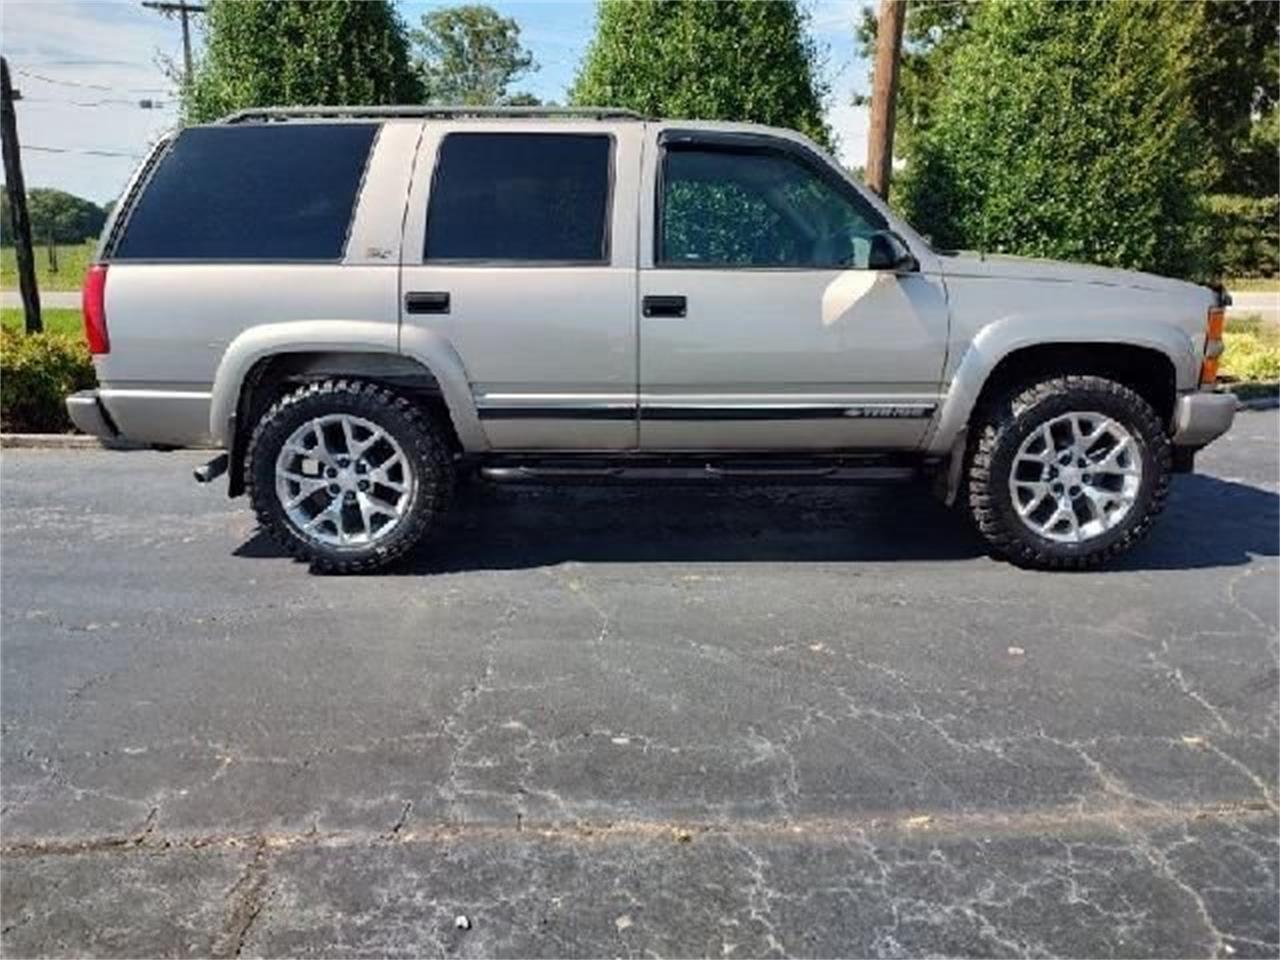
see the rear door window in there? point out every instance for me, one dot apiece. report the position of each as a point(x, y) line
point(520, 197)
point(281, 191)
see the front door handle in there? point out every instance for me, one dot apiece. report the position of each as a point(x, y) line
point(426, 301)
point(663, 306)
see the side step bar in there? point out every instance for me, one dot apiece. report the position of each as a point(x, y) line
point(754, 472)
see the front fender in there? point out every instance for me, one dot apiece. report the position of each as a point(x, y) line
point(1002, 337)
point(427, 347)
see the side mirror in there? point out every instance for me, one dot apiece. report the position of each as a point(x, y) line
point(889, 252)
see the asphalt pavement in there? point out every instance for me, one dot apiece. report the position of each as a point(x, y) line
point(726, 722)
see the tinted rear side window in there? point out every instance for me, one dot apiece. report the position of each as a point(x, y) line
point(522, 197)
point(271, 192)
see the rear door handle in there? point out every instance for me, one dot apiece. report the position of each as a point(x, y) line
point(663, 306)
point(426, 301)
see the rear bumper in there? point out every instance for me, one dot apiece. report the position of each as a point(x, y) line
point(89, 416)
point(142, 415)
point(1200, 418)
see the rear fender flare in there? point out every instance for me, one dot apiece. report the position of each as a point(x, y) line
point(427, 347)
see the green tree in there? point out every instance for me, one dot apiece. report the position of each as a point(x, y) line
point(731, 60)
point(933, 32)
point(300, 52)
point(1068, 130)
point(56, 215)
point(1234, 78)
point(470, 55)
point(1235, 86)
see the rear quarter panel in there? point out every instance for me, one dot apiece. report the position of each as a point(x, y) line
point(171, 323)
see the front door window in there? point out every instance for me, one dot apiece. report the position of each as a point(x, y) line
point(759, 208)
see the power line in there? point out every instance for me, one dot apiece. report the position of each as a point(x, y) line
point(146, 103)
point(87, 151)
point(89, 86)
point(79, 62)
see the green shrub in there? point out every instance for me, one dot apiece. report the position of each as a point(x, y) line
point(1246, 235)
point(1250, 356)
point(37, 372)
point(1252, 350)
point(1067, 130)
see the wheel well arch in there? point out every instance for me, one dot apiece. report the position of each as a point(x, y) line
point(1147, 371)
point(276, 374)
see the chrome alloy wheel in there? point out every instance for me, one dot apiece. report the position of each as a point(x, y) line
point(1076, 477)
point(344, 481)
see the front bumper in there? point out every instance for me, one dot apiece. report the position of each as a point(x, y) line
point(1200, 418)
point(89, 416)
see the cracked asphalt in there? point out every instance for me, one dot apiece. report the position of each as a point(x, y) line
point(623, 722)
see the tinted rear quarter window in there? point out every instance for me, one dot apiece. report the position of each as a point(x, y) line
point(520, 197)
point(260, 192)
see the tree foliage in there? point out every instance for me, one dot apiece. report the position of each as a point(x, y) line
point(1068, 130)
point(933, 32)
point(1234, 78)
point(1246, 235)
point(469, 54)
point(56, 215)
point(1235, 86)
point(730, 60)
point(300, 52)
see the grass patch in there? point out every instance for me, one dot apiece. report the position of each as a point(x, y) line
point(1252, 350)
point(73, 261)
point(1253, 284)
point(61, 320)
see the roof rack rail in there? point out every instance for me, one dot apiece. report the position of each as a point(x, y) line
point(267, 114)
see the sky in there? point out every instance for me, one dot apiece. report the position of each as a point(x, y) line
point(84, 66)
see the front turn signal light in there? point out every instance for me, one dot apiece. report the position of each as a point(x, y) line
point(1213, 346)
point(1217, 322)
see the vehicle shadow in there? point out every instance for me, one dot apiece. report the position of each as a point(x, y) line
point(1207, 523)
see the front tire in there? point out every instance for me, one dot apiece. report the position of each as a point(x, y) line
point(1067, 473)
point(347, 475)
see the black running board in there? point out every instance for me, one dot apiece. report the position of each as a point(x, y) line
point(847, 470)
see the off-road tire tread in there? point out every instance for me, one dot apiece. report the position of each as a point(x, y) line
point(434, 465)
point(1019, 545)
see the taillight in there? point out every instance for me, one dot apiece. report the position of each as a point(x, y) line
point(94, 300)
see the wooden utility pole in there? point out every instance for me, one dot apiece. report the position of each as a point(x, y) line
point(184, 10)
point(17, 190)
point(884, 95)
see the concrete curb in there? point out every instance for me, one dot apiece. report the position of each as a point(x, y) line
point(1259, 403)
point(62, 441)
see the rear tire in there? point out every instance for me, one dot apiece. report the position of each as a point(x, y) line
point(1067, 473)
point(347, 475)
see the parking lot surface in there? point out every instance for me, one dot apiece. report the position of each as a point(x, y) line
point(726, 722)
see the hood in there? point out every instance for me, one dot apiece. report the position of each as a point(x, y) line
point(1000, 267)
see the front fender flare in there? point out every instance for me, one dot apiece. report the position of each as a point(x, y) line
point(429, 348)
point(999, 339)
